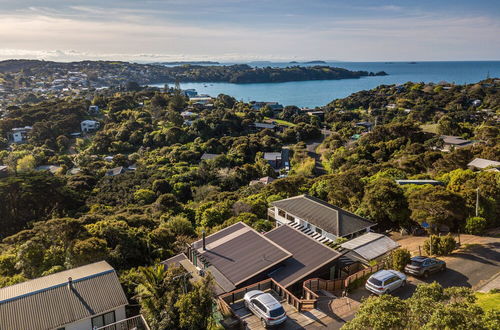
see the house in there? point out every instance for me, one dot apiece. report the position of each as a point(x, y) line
point(74, 171)
point(275, 106)
point(453, 142)
point(264, 126)
point(278, 160)
point(238, 256)
point(325, 221)
point(94, 110)
point(88, 126)
point(265, 181)
point(481, 164)
point(207, 156)
point(391, 106)
point(365, 124)
point(86, 297)
point(188, 114)
point(203, 100)
point(4, 171)
point(369, 247)
point(115, 171)
point(54, 169)
point(419, 182)
point(476, 103)
point(19, 134)
point(189, 92)
point(318, 113)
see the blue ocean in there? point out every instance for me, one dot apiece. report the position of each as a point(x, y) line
point(321, 92)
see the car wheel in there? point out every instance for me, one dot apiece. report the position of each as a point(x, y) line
point(426, 274)
point(264, 324)
point(443, 268)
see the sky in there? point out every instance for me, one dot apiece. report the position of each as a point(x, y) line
point(250, 30)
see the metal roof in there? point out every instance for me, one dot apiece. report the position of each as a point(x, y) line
point(482, 163)
point(328, 217)
point(454, 140)
point(370, 245)
point(238, 253)
point(424, 181)
point(309, 255)
point(207, 156)
point(50, 302)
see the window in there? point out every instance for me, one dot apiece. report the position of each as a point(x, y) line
point(281, 213)
point(319, 231)
point(290, 217)
point(104, 319)
point(391, 280)
point(257, 304)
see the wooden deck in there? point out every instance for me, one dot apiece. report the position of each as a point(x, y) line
point(295, 319)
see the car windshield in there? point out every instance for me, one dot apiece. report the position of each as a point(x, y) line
point(375, 281)
point(416, 263)
point(277, 312)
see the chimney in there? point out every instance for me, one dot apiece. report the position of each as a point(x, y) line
point(70, 283)
point(203, 238)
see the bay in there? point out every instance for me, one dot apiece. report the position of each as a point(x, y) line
point(321, 92)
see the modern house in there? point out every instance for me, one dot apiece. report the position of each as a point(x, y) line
point(265, 181)
point(238, 256)
point(318, 218)
point(275, 106)
point(261, 126)
point(419, 182)
point(94, 110)
point(19, 134)
point(484, 164)
point(83, 298)
point(207, 156)
point(88, 126)
point(369, 247)
point(454, 142)
point(115, 171)
point(278, 160)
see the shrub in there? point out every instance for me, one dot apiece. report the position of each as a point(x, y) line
point(144, 196)
point(441, 245)
point(400, 258)
point(475, 225)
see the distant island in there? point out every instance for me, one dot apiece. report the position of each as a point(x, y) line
point(112, 73)
point(309, 62)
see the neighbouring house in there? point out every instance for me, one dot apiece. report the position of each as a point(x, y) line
point(484, 164)
point(74, 171)
point(318, 218)
point(238, 256)
point(19, 134)
point(265, 181)
point(264, 126)
point(318, 113)
point(275, 106)
point(94, 110)
point(190, 92)
point(391, 106)
point(207, 156)
point(454, 142)
point(369, 247)
point(115, 171)
point(88, 126)
point(365, 124)
point(54, 169)
point(203, 100)
point(83, 298)
point(419, 182)
point(278, 160)
point(4, 171)
point(108, 158)
point(476, 103)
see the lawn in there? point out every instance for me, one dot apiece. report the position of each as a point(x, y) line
point(430, 128)
point(281, 122)
point(488, 300)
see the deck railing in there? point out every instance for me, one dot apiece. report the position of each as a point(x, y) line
point(132, 323)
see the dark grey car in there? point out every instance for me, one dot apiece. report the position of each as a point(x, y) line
point(424, 266)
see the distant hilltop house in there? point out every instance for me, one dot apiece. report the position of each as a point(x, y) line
point(454, 142)
point(261, 126)
point(318, 218)
point(94, 110)
point(275, 106)
point(278, 160)
point(115, 171)
point(484, 164)
point(203, 100)
point(476, 103)
point(265, 181)
point(54, 169)
point(19, 134)
point(189, 92)
point(419, 182)
point(87, 297)
point(207, 156)
point(89, 126)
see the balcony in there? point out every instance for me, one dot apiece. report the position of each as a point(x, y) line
point(132, 323)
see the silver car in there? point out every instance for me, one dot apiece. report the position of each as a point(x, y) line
point(385, 281)
point(265, 307)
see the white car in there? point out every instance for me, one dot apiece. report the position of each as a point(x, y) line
point(265, 307)
point(385, 281)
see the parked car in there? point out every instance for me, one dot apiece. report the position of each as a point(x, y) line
point(265, 307)
point(385, 281)
point(424, 266)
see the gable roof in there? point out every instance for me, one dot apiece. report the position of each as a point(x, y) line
point(48, 302)
point(115, 171)
point(238, 253)
point(482, 163)
point(370, 245)
point(455, 140)
point(207, 156)
point(308, 256)
point(326, 216)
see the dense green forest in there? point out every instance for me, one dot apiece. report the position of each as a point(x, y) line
point(50, 222)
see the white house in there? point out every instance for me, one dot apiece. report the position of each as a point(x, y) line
point(94, 109)
point(19, 134)
point(81, 298)
point(482, 164)
point(89, 126)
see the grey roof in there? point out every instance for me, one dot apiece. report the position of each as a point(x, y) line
point(206, 156)
point(48, 302)
point(309, 255)
point(3, 168)
point(482, 163)
point(328, 217)
point(272, 155)
point(115, 171)
point(51, 168)
point(265, 125)
point(370, 245)
point(238, 252)
point(425, 181)
point(455, 140)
